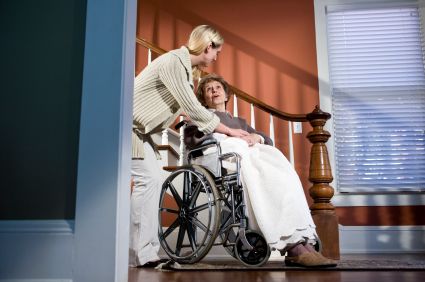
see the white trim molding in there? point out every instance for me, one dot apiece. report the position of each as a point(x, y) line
point(36, 249)
point(381, 239)
point(377, 200)
point(37, 226)
point(103, 183)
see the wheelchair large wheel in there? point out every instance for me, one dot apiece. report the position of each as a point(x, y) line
point(260, 253)
point(189, 208)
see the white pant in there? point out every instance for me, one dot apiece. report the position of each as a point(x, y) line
point(144, 242)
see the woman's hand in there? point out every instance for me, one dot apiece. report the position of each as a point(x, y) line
point(221, 128)
point(237, 133)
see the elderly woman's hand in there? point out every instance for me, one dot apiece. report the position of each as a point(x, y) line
point(252, 139)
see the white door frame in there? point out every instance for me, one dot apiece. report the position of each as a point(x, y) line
point(103, 182)
point(94, 246)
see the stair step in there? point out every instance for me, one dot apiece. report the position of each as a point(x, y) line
point(169, 148)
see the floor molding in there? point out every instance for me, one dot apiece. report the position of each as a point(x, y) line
point(381, 239)
point(37, 226)
point(39, 249)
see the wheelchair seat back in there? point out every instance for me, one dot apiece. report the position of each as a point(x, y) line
point(207, 154)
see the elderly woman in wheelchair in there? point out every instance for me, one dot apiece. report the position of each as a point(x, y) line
point(239, 193)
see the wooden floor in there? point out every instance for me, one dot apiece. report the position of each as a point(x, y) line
point(152, 275)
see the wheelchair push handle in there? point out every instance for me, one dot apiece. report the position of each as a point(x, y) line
point(180, 124)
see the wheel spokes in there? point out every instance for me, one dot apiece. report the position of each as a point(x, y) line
point(191, 233)
point(169, 210)
point(186, 185)
point(180, 238)
point(199, 208)
point(171, 228)
point(199, 224)
point(195, 194)
point(176, 195)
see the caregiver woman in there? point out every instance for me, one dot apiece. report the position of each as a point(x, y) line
point(162, 91)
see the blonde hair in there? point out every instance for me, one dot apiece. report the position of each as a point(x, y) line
point(199, 40)
point(200, 92)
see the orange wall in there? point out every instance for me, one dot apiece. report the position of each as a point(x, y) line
point(270, 53)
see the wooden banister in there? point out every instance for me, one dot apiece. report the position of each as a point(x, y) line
point(239, 93)
point(151, 46)
point(320, 174)
point(269, 109)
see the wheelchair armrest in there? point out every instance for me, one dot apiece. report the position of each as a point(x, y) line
point(198, 149)
point(207, 142)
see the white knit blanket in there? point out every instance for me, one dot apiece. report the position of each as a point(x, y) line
point(276, 201)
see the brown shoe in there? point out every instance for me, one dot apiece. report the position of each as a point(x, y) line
point(330, 262)
point(312, 259)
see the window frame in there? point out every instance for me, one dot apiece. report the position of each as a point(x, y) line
point(390, 198)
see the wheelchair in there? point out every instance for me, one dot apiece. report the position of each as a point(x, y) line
point(202, 204)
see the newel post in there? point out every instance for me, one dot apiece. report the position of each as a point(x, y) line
point(322, 210)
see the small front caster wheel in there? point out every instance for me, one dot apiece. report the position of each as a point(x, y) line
point(260, 253)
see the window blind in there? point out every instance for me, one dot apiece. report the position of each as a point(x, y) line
point(378, 98)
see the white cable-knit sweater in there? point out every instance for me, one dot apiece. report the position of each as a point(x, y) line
point(161, 92)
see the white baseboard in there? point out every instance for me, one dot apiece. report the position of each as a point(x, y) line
point(381, 239)
point(36, 250)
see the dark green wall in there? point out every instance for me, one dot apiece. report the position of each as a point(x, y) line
point(41, 65)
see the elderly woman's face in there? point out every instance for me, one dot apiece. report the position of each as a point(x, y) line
point(214, 94)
